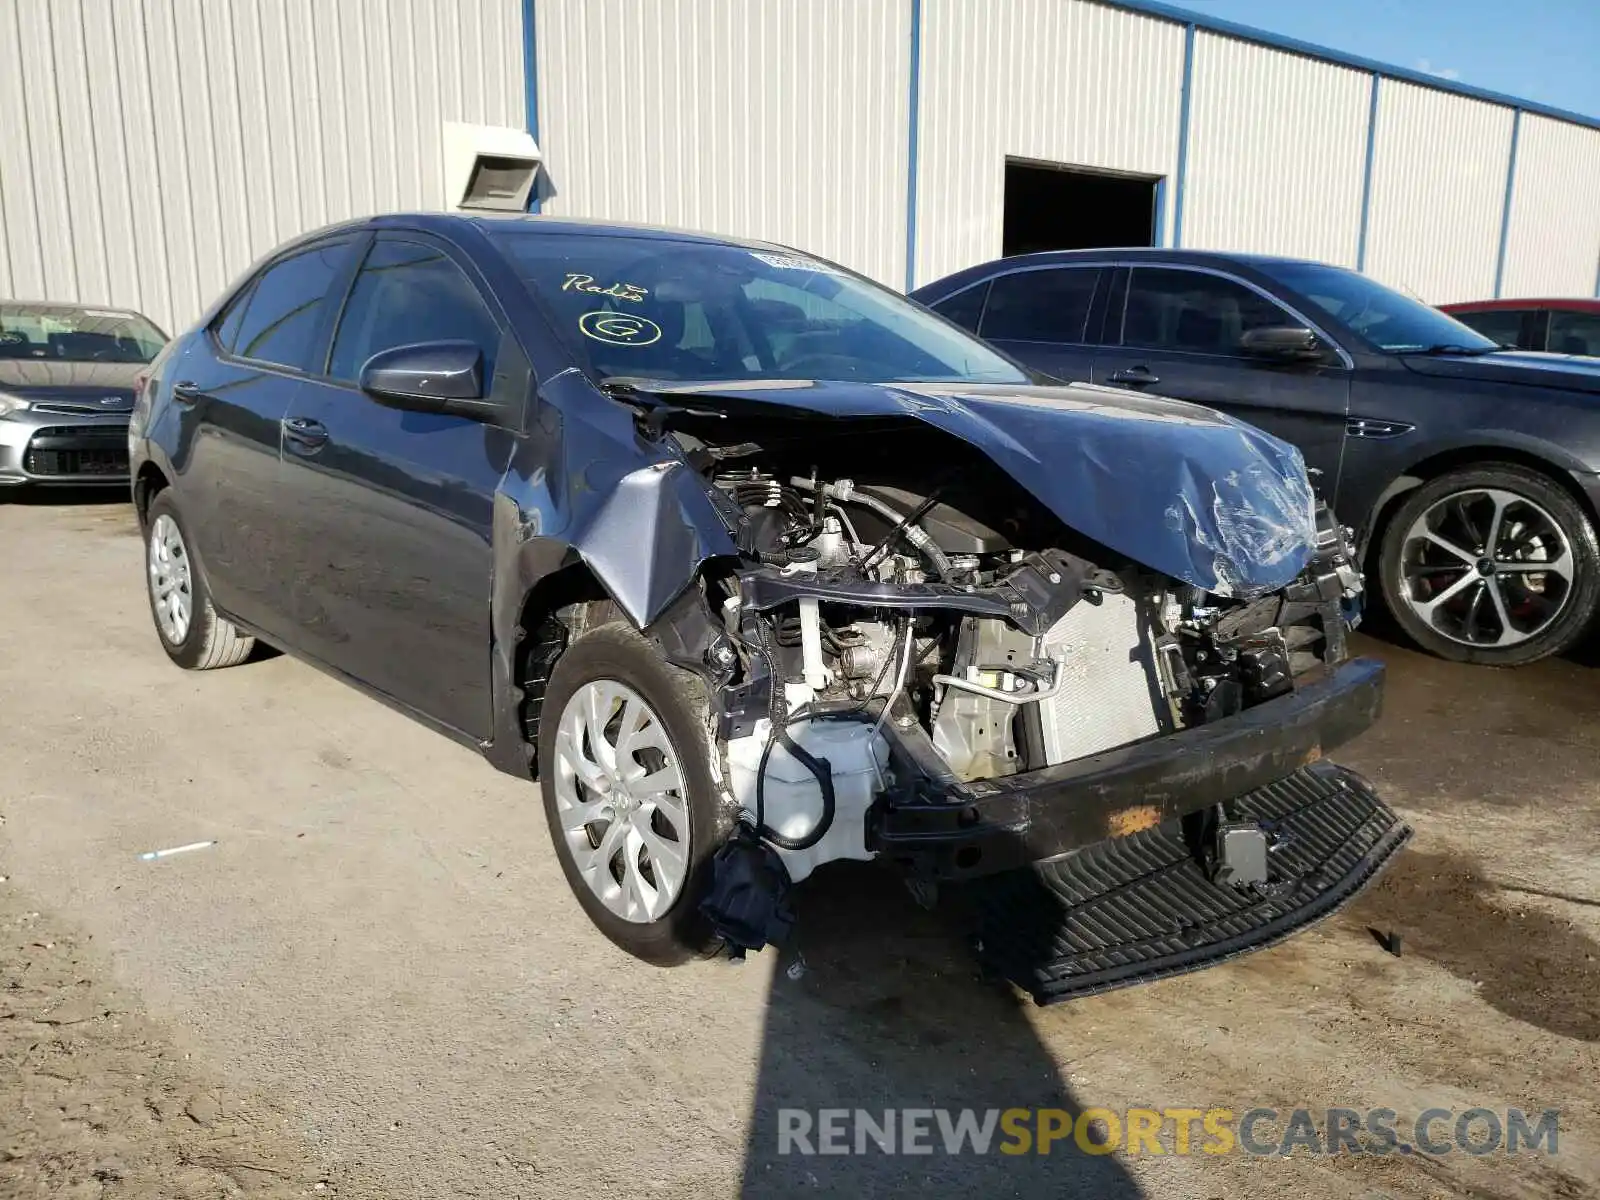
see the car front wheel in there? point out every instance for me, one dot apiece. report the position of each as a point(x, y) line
point(191, 632)
point(625, 770)
point(1494, 564)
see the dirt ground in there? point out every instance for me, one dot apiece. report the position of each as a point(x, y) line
point(375, 983)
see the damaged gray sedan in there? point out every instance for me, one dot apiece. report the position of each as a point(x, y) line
point(757, 566)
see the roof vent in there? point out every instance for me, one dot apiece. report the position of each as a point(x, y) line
point(489, 168)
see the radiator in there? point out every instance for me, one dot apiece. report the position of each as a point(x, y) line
point(1111, 689)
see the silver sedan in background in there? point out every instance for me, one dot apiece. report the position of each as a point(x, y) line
point(68, 374)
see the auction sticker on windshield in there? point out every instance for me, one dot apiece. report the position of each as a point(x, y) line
point(793, 262)
point(619, 329)
point(576, 282)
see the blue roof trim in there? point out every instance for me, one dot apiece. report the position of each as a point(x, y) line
point(911, 144)
point(1183, 135)
point(1248, 33)
point(1505, 213)
point(530, 78)
point(1366, 177)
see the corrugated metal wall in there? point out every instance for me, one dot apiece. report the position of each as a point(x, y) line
point(1073, 83)
point(1277, 148)
point(1553, 241)
point(154, 148)
point(1438, 192)
point(776, 119)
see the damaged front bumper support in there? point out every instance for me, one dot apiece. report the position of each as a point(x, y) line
point(953, 830)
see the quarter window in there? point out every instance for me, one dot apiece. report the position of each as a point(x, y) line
point(407, 293)
point(965, 308)
point(1172, 309)
point(226, 328)
point(1049, 305)
point(281, 317)
point(1574, 333)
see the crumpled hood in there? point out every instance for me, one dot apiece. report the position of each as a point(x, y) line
point(1528, 368)
point(1181, 489)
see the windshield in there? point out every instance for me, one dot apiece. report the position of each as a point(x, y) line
point(1386, 318)
point(653, 308)
point(60, 333)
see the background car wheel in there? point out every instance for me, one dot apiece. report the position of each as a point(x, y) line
point(191, 632)
point(625, 771)
point(1494, 564)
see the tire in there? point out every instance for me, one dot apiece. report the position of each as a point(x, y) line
point(617, 667)
point(1545, 613)
point(196, 639)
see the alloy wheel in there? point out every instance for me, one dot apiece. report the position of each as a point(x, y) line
point(1487, 567)
point(619, 793)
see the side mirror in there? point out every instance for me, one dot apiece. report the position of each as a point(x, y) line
point(434, 377)
point(1286, 343)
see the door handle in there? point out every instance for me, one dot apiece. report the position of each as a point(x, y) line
point(186, 391)
point(1136, 376)
point(304, 432)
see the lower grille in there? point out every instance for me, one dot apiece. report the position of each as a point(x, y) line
point(1142, 907)
point(64, 450)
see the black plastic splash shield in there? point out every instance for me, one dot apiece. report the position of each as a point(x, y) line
point(1138, 908)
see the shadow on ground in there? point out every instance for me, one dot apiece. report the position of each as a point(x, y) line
point(65, 497)
point(887, 1010)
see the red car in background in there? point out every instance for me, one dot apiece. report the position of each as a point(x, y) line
point(1557, 326)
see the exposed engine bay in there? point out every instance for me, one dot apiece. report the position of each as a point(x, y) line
point(909, 623)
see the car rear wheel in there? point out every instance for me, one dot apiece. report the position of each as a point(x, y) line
point(624, 764)
point(1493, 564)
point(191, 632)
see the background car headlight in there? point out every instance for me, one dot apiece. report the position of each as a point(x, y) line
point(11, 404)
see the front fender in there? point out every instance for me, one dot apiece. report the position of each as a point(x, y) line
point(584, 488)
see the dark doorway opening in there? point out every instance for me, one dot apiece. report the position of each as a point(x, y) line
point(1058, 208)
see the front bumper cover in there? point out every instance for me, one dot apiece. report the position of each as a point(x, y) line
point(63, 448)
point(958, 830)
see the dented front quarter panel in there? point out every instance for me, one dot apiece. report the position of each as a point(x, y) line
point(585, 486)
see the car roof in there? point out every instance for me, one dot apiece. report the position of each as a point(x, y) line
point(553, 226)
point(70, 306)
point(1153, 254)
point(1570, 303)
point(450, 225)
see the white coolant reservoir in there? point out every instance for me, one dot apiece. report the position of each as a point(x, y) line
point(793, 801)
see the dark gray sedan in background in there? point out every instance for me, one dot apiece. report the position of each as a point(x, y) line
point(1470, 474)
point(67, 378)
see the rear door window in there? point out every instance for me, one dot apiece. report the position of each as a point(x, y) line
point(1574, 333)
point(284, 313)
point(1503, 325)
point(410, 292)
point(1047, 305)
point(1174, 309)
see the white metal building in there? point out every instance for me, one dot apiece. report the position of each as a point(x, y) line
point(154, 148)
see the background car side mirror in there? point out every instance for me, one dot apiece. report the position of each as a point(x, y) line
point(436, 377)
point(1286, 343)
